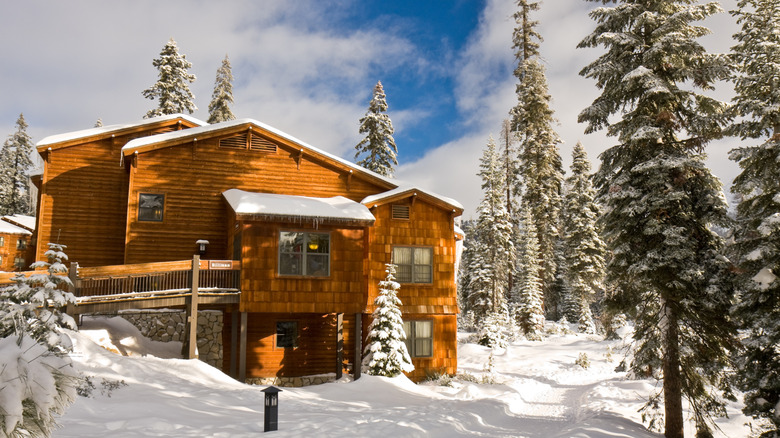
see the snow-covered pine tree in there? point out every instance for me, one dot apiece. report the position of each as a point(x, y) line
point(666, 271)
point(584, 250)
point(99, 123)
point(493, 252)
point(540, 163)
point(527, 293)
point(464, 275)
point(222, 97)
point(385, 353)
point(37, 381)
point(378, 147)
point(757, 234)
point(172, 89)
point(15, 167)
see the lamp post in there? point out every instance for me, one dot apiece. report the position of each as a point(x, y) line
point(271, 414)
point(202, 246)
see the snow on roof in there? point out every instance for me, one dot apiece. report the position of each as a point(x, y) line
point(194, 132)
point(21, 220)
point(403, 189)
point(59, 138)
point(337, 208)
point(9, 228)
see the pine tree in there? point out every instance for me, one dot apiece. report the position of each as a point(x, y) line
point(378, 148)
point(757, 234)
point(493, 254)
point(172, 89)
point(540, 163)
point(527, 296)
point(15, 167)
point(385, 352)
point(584, 251)
point(666, 271)
point(222, 97)
point(37, 381)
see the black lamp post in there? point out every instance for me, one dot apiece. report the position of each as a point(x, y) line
point(271, 415)
point(202, 246)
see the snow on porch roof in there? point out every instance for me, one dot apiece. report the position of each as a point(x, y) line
point(294, 208)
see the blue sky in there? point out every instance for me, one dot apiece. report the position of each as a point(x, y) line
point(308, 68)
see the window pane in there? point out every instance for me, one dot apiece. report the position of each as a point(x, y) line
point(318, 244)
point(423, 329)
point(403, 273)
point(423, 347)
point(2, 241)
point(291, 242)
point(150, 207)
point(286, 334)
point(402, 256)
point(408, 341)
point(291, 264)
point(317, 265)
point(423, 256)
point(422, 274)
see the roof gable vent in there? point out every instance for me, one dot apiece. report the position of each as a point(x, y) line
point(400, 211)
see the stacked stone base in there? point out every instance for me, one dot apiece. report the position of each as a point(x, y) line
point(293, 381)
point(169, 326)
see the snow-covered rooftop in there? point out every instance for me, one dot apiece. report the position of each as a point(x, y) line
point(59, 138)
point(337, 208)
point(369, 200)
point(21, 220)
point(9, 228)
point(140, 143)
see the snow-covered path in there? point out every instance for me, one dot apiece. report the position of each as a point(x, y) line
point(539, 392)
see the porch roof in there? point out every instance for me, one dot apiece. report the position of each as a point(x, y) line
point(288, 208)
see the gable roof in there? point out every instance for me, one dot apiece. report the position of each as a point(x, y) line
point(20, 220)
point(269, 206)
point(75, 137)
point(406, 191)
point(9, 228)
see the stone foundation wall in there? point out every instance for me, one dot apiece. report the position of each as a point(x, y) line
point(169, 325)
point(293, 381)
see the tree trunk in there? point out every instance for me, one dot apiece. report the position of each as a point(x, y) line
point(672, 378)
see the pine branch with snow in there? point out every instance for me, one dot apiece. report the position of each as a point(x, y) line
point(172, 89)
point(385, 353)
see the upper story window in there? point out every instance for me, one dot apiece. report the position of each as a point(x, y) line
point(302, 253)
point(413, 264)
point(419, 338)
point(21, 244)
point(150, 207)
point(2, 240)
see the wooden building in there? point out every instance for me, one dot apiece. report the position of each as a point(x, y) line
point(16, 249)
point(312, 231)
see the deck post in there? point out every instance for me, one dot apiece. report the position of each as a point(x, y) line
point(242, 349)
point(339, 345)
point(73, 274)
point(233, 343)
point(192, 311)
point(358, 346)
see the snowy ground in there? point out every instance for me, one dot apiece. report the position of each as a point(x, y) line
point(539, 392)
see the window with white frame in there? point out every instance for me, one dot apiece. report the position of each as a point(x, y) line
point(304, 253)
point(419, 338)
point(413, 264)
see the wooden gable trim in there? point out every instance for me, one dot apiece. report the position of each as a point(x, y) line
point(163, 126)
point(414, 195)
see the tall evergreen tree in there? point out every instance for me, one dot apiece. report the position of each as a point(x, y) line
point(385, 352)
point(540, 164)
point(172, 89)
point(378, 147)
point(15, 167)
point(666, 270)
point(757, 236)
point(494, 253)
point(584, 251)
point(527, 293)
point(222, 97)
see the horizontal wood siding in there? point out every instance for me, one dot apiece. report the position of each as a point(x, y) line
point(9, 253)
point(83, 203)
point(264, 290)
point(428, 226)
point(193, 176)
point(315, 354)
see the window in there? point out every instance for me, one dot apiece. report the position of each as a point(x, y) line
point(304, 254)
point(413, 265)
point(2, 240)
point(286, 334)
point(19, 263)
point(150, 207)
point(419, 338)
point(21, 244)
point(1, 261)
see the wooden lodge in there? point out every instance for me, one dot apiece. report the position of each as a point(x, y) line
point(308, 234)
point(16, 249)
